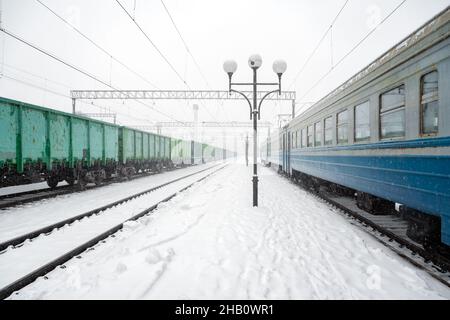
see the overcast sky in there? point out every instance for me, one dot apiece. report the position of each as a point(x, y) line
point(213, 30)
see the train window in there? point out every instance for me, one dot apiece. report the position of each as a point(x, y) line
point(304, 138)
point(318, 134)
point(310, 136)
point(430, 103)
point(362, 122)
point(342, 127)
point(392, 113)
point(329, 131)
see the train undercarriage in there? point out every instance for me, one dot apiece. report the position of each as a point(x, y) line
point(81, 174)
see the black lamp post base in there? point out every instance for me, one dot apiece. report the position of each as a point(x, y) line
point(255, 191)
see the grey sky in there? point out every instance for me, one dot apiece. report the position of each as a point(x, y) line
point(214, 31)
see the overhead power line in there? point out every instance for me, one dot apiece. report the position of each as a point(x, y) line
point(354, 48)
point(151, 42)
point(77, 69)
point(33, 85)
point(95, 44)
point(185, 44)
point(192, 56)
point(318, 44)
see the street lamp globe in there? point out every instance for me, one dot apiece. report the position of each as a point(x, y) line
point(230, 67)
point(279, 67)
point(255, 61)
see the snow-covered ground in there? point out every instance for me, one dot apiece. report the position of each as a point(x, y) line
point(209, 243)
point(32, 216)
point(27, 187)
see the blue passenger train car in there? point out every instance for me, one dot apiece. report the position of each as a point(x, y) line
point(384, 134)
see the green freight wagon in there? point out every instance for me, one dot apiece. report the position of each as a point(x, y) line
point(140, 151)
point(39, 143)
point(181, 152)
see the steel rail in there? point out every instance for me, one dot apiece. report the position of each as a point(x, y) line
point(440, 263)
point(15, 242)
point(43, 270)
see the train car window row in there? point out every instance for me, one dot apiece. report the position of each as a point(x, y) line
point(391, 117)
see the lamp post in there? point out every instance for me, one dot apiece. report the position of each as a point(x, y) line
point(255, 62)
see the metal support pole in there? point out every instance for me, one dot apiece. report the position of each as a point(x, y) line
point(73, 105)
point(255, 138)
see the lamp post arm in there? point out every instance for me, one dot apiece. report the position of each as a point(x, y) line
point(261, 101)
point(249, 103)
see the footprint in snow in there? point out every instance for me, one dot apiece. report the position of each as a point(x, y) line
point(121, 268)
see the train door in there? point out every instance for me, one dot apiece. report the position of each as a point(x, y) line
point(192, 152)
point(288, 153)
point(283, 152)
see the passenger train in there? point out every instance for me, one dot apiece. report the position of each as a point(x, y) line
point(384, 135)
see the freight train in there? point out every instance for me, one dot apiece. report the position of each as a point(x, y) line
point(383, 135)
point(39, 144)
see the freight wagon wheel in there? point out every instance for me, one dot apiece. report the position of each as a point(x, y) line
point(98, 180)
point(52, 182)
point(70, 181)
point(81, 182)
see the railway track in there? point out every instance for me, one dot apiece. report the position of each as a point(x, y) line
point(60, 242)
point(16, 199)
point(390, 230)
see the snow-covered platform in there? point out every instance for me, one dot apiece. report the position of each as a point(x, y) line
point(209, 243)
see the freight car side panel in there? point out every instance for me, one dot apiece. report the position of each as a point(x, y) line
point(59, 128)
point(152, 146)
point(80, 142)
point(96, 141)
point(129, 144)
point(145, 149)
point(157, 147)
point(8, 131)
point(162, 149)
point(138, 136)
point(34, 135)
point(167, 148)
point(111, 143)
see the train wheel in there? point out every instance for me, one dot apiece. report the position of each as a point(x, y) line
point(52, 182)
point(98, 180)
point(70, 181)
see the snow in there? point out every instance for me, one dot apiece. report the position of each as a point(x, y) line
point(32, 216)
point(17, 263)
point(209, 243)
point(27, 187)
